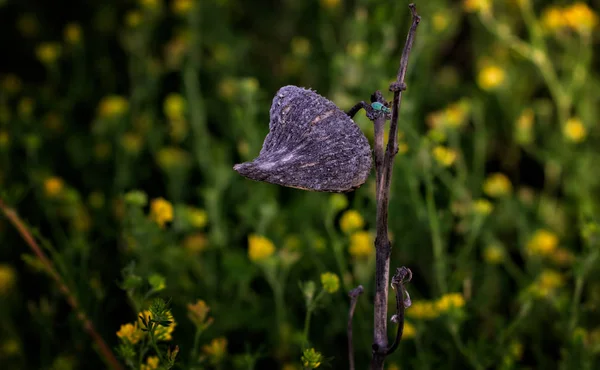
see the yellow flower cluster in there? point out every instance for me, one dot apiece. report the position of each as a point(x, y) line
point(578, 17)
point(260, 248)
point(196, 217)
point(198, 314)
point(195, 243)
point(351, 220)
point(216, 350)
point(453, 116)
point(542, 243)
point(444, 155)
point(491, 77)
point(162, 333)
point(497, 185)
point(182, 7)
point(48, 52)
point(113, 106)
point(493, 254)
point(523, 126)
point(152, 363)
point(311, 358)
point(131, 333)
point(361, 245)
point(409, 331)
point(428, 310)
point(449, 302)
point(161, 211)
point(546, 283)
point(574, 130)
point(472, 6)
point(331, 282)
point(7, 279)
point(482, 207)
point(72, 33)
point(53, 186)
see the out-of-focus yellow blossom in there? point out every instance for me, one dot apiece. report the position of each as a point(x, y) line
point(449, 301)
point(72, 33)
point(112, 106)
point(4, 139)
point(409, 331)
point(161, 211)
point(9, 348)
point(28, 25)
point(152, 363)
point(357, 49)
point(172, 157)
point(195, 243)
point(53, 186)
point(133, 18)
point(130, 333)
point(471, 6)
point(516, 349)
point(562, 257)
point(162, 333)
point(543, 242)
point(26, 107)
point(330, 4)
point(249, 85)
point(311, 358)
point(7, 278)
point(574, 130)
point(578, 17)
point(259, 248)
point(182, 7)
point(136, 198)
point(403, 148)
point(437, 135)
point(227, 88)
point(198, 314)
point(351, 220)
point(361, 245)
point(524, 125)
point(216, 350)
point(493, 254)
point(440, 21)
point(546, 283)
point(497, 185)
point(48, 52)
point(444, 155)
point(424, 310)
point(132, 142)
point(174, 106)
point(330, 281)
point(196, 217)
point(319, 244)
point(483, 207)
point(11, 84)
point(300, 46)
point(338, 202)
point(490, 77)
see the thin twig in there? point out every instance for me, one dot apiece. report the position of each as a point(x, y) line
point(354, 293)
point(88, 326)
point(384, 176)
point(403, 275)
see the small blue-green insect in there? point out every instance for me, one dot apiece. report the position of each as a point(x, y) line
point(380, 107)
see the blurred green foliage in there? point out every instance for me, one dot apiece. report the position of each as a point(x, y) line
point(120, 122)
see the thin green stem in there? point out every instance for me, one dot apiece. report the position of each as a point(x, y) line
point(436, 238)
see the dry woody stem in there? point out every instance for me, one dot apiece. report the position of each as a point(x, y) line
point(354, 293)
point(87, 324)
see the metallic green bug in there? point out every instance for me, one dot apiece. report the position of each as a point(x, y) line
point(380, 107)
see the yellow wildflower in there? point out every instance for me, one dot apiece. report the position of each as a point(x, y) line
point(196, 217)
point(490, 77)
point(300, 46)
point(497, 185)
point(132, 142)
point(112, 106)
point(445, 156)
point(174, 106)
point(403, 148)
point(259, 248)
point(7, 278)
point(10, 347)
point(182, 7)
point(471, 6)
point(72, 33)
point(133, 18)
point(482, 207)
point(493, 254)
point(161, 211)
point(4, 139)
point(53, 186)
point(358, 50)
point(409, 331)
point(331, 282)
point(249, 85)
point(524, 126)
point(162, 333)
point(449, 301)
point(227, 88)
point(574, 130)
point(195, 243)
point(330, 4)
point(48, 52)
point(580, 18)
point(172, 157)
point(152, 363)
point(338, 202)
point(424, 310)
point(130, 333)
point(547, 282)
point(543, 242)
point(351, 220)
point(552, 18)
point(361, 245)
point(216, 350)
point(198, 314)
point(440, 21)
point(311, 358)
point(437, 135)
